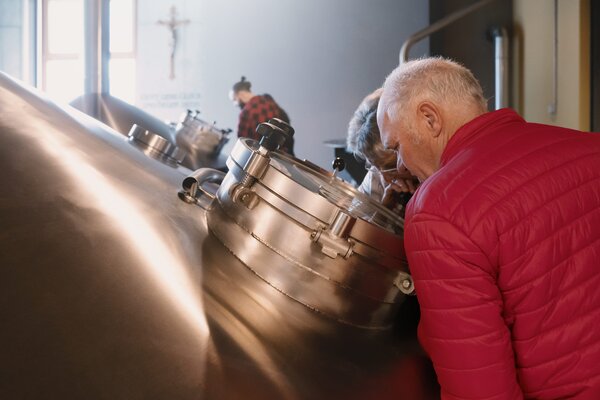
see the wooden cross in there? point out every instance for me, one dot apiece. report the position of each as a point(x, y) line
point(172, 24)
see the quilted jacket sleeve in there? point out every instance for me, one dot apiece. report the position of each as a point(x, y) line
point(461, 325)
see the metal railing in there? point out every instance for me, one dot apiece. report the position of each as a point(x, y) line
point(436, 26)
point(500, 38)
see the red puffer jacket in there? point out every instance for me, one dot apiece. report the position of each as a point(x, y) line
point(504, 245)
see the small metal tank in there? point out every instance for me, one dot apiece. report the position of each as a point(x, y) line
point(113, 288)
point(201, 141)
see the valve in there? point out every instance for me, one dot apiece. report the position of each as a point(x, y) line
point(272, 136)
point(284, 126)
point(338, 165)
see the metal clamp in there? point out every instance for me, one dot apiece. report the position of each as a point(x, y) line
point(405, 284)
point(333, 239)
point(331, 245)
point(242, 194)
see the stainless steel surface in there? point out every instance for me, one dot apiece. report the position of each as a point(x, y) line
point(201, 142)
point(113, 288)
point(436, 26)
point(155, 146)
point(311, 236)
point(120, 115)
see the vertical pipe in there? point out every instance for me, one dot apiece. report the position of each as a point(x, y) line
point(41, 37)
point(104, 46)
point(96, 54)
point(91, 49)
point(96, 46)
point(501, 68)
point(553, 107)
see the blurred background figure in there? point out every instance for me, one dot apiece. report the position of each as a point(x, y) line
point(387, 181)
point(255, 110)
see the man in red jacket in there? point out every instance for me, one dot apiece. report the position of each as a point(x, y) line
point(502, 238)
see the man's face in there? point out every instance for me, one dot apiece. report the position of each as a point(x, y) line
point(409, 145)
point(385, 168)
point(235, 99)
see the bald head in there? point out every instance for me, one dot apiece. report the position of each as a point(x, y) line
point(422, 105)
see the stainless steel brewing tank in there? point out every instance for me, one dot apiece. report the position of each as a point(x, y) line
point(193, 143)
point(311, 236)
point(113, 288)
point(201, 141)
point(120, 115)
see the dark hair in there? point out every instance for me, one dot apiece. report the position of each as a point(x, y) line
point(363, 133)
point(243, 84)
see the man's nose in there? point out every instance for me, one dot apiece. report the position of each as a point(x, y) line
point(403, 172)
point(401, 167)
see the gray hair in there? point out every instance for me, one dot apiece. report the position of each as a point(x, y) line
point(434, 78)
point(363, 139)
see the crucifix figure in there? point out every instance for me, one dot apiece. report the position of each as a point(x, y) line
point(173, 24)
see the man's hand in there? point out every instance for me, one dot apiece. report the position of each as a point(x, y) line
point(396, 181)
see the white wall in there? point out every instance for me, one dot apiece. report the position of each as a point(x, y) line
point(318, 58)
point(533, 67)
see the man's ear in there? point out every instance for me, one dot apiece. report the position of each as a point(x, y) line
point(430, 117)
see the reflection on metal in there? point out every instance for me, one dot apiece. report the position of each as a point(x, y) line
point(114, 288)
point(501, 98)
point(85, 261)
point(438, 25)
point(311, 236)
point(120, 115)
point(155, 146)
point(200, 141)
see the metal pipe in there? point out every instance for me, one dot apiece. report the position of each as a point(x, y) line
point(104, 46)
point(436, 26)
point(501, 68)
point(91, 48)
point(96, 46)
point(553, 107)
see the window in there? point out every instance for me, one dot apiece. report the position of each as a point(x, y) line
point(122, 49)
point(62, 49)
point(62, 61)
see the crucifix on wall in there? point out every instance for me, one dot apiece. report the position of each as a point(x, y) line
point(173, 24)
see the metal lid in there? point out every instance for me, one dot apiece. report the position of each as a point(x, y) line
point(155, 145)
point(313, 189)
point(338, 192)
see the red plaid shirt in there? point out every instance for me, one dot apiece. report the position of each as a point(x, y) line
point(259, 109)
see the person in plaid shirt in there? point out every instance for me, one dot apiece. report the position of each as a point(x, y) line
point(255, 110)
